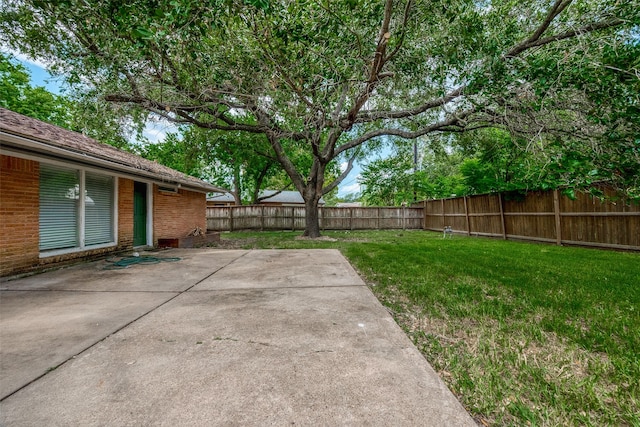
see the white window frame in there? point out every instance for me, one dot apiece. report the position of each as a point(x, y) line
point(81, 213)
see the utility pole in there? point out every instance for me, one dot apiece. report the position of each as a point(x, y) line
point(415, 168)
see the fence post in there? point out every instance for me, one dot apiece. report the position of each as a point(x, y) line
point(502, 219)
point(293, 218)
point(466, 214)
point(351, 218)
point(556, 208)
point(444, 220)
point(378, 219)
point(404, 217)
point(424, 215)
point(230, 218)
point(262, 218)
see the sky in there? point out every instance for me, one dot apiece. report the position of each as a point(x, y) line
point(156, 131)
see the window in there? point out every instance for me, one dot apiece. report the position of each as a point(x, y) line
point(59, 188)
point(68, 221)
point(98, 209)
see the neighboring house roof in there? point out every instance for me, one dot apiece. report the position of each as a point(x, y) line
point(285, 197)
point(225, 197)
point(32, 136)
point(349, 205)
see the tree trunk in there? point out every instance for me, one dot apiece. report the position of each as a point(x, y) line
point(312, 217)
point(237, 190)
point(311, 195)
point(310, 187)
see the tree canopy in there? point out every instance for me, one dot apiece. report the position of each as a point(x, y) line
point(327, 76)
point(82, 112)
point(17, 94)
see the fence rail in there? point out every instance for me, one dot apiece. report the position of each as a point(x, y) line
point(230, 218)
point(545, 216)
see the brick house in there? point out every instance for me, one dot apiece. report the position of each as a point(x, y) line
point(65, 196)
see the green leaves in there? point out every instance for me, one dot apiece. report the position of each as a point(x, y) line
point(321, 78)
point(17, 94)
point(259, 4)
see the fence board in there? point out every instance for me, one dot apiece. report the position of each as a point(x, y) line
point(230, 218)
point(586, 221)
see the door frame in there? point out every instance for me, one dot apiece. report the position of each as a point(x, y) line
point(148, 214)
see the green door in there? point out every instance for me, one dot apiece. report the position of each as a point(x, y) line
point(139, 214)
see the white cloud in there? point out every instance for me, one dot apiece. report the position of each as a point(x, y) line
point(24, 58)
point(157, 129)
point(154, 135)
point(349, 189)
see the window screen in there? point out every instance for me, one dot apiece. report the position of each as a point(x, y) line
point(63, 212)
point(59, 194)
point(98, 211)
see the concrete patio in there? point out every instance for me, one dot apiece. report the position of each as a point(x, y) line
point(221, 337)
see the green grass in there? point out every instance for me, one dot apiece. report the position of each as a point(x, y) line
point(523, 334)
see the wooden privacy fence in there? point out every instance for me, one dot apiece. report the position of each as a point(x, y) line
point(545, 216)
point(230, 218)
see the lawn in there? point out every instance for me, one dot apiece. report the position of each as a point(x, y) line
point(523, 334)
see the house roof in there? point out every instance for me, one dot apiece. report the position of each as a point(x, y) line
point(221, 197)
point(273, 196)
point(31, 136)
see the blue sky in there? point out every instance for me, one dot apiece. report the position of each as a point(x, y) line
point(40, 77)
point(156, 132)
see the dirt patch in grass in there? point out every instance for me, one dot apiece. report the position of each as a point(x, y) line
point(246, 243)
point(316, 239)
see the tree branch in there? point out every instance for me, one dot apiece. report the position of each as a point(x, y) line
point(440, 126)
point(559, 6)
point(395, 51)
point(342, 176)
point(164, 110)
point(376, 66)
point(259, 199)
point(372, 116)
point(614, 22)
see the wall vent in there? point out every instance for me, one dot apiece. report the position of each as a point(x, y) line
point(173, 190)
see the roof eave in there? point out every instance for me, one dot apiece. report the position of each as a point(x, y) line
point(39, 147)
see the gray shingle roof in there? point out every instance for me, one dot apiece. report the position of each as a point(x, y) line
point(54, 141)
point(221, 197)
point(270, 196)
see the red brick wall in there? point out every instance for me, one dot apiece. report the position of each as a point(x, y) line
point(19, 212)
point(125, 213)
point(19, 219)
point(175, 215)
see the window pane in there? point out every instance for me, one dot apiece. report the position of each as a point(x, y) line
point(98, 214)
point(59, 194)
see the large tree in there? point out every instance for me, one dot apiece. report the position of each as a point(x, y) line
point(327, 76)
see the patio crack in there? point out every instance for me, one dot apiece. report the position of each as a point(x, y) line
point(177, 294)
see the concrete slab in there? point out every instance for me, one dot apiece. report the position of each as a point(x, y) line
point(164, 276)
point(285, 269)
point(250, 354)
point(40, 329)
